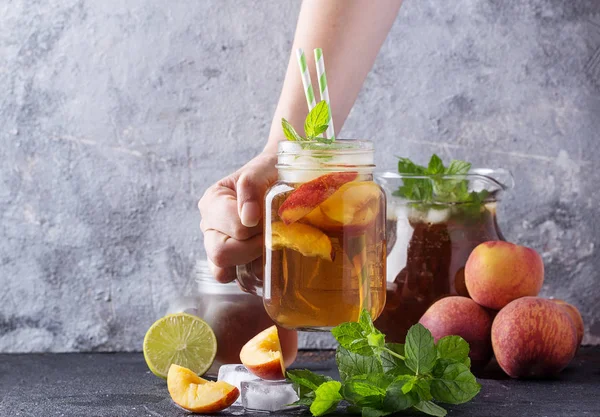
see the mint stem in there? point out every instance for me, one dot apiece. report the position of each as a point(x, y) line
point(391, 352)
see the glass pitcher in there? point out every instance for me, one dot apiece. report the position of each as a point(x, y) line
point(429, 241)
point(324, 228)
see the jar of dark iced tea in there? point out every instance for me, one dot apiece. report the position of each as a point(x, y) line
point(234, 315)
point(430, 240)
point(324, 228)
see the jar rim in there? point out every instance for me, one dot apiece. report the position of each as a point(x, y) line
point(339, 146)
point(499, 177)
point(344, 154)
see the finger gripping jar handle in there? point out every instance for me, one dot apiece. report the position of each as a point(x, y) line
point(248, 280)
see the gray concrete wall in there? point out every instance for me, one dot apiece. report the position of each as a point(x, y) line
point(116, 115)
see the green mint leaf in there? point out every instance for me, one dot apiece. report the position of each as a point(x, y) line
point(406, 166)
point(373, 412)
point(393, 365)
point(409, 385)
point(420, 349)
point(352, 337)
point(362, 394)
point(318, 117)
point(454, 348)
point(366, 322)
point(413, 189)
point(376, 340)
point(458, 168)
point(422, 388)
point(320, 129)
point(395, 400)
point(366, 390)
point(436, 166)
point(453, 383)
point(430, 408)
point(327, 398)
point(289, 131)
point(350, 364)
point(353, 409)
point(306, 381)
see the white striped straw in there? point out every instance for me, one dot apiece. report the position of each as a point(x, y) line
point(308, 88)
point(330, 133)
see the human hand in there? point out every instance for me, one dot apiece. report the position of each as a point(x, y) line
point(231, 211)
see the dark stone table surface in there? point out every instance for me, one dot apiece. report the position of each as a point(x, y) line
point(120, 385)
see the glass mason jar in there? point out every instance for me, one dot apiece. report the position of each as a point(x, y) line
point(324, 228)
point(430, 241)
point(234, 315)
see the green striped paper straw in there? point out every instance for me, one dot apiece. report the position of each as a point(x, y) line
point(330, 133)
point(308, 88)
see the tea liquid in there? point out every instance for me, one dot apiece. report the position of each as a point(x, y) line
point(436, 253)
point(324, 268)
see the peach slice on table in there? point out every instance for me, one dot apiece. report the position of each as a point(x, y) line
point(354, 204)
point(262, 355)
point(309, 195)
point(198, 395)
point(307, 240)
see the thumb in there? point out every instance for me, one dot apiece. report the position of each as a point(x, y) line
point(250, 189)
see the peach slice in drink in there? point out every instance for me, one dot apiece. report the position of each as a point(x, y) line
point(318, 219)
point(307, 240)
point(198, 395)
point(311, 194)
point(355, 204)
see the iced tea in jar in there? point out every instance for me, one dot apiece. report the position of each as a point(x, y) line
point(324, 228)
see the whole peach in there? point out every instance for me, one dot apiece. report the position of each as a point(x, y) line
point(575, 316)
point(463, 317)
point(533, 337)
point(498, 272)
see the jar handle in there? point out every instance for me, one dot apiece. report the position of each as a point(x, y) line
point(248, 280)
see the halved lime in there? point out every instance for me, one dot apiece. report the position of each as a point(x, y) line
point(181, 339)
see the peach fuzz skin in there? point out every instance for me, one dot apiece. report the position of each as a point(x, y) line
point(498, 272)
point(533, 337)
point(262, 355)
point(198, 395)
point(575, 316)
point(462, 317)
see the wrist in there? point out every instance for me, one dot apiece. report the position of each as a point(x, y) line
point(272, 146)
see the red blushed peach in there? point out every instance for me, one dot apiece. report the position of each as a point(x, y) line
point(575, 316)
point(198, 395)
point(309, 195)
point(533, 337)
point(462, 317)
point(262, 355)
point(497, 273)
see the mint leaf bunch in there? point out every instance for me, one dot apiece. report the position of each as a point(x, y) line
point(314, 125)
point(432, 187)
point(378, 378)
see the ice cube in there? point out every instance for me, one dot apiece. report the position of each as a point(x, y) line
point(268, 396)
point(235, 374)
point(435, 216)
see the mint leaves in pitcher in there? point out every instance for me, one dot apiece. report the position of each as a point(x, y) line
point(437, 184)
point(379, 378)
